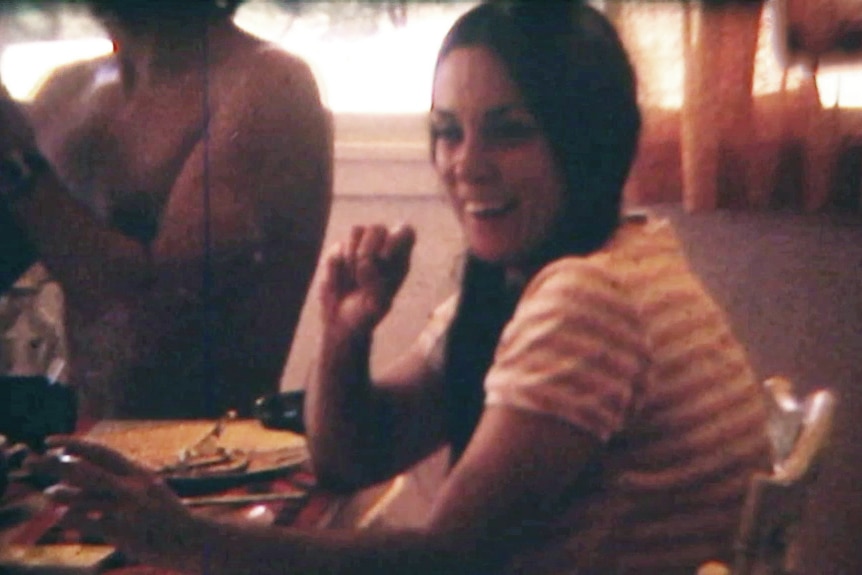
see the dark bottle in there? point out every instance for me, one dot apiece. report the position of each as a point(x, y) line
point(34, 407)
point(281, 410)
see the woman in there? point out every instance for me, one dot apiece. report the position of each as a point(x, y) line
point(602, 418)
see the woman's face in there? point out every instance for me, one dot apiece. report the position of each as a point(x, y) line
point(492, 157)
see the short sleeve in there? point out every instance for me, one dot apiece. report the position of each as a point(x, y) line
point(572, 350)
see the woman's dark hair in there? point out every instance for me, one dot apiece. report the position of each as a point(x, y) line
point(576, 79)
point(150, 10)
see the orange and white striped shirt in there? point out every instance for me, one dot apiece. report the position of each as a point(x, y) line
point(627, 345)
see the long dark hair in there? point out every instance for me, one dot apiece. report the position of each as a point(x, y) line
point(132, 11)
point(576, 79)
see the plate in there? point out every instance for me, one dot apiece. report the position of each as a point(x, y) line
point(157, 445)
point(247, 467)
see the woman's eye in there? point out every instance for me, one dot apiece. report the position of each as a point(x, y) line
point(510, 132)
point(446, 133)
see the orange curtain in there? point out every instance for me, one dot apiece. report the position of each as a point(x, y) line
point(725, 124)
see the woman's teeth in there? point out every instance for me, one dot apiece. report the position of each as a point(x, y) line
point(486, 209)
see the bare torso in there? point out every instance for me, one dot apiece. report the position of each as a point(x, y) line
point(120, 154)
point(223, 174)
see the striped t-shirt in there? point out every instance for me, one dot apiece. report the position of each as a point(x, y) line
point(627, 345)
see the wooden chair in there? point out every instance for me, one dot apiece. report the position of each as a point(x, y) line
point(799, 432)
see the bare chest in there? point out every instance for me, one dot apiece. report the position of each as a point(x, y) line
point(122, 156)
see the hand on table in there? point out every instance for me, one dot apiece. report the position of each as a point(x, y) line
point(363, 274)
point(132, 508)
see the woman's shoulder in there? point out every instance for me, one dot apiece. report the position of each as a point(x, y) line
point(639, 238)
point(613, 276)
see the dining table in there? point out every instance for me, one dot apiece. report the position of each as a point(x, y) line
point(273, 484)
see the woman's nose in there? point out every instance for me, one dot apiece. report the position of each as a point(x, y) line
point(472, 161)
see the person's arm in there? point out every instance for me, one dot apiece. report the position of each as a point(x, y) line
point(44, 210)
point(362, 430)
point(266, 163)
point(492, 506)
point(484, 514)
point(560, 387)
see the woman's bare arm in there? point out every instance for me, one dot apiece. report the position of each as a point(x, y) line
point(515, 475)
point(362, 429)
point(362, 432)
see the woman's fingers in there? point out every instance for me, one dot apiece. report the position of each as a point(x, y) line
point(351, 246)
point(373, 241)
point(82, 501)
point(91, 522)
point(369, 254)
point(335, 278)
point(378, 242)
point(356, 233)
point(362, 274)
point(99, 455)
point(80, 473)
point(402, 238)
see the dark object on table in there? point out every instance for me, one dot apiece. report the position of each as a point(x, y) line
point(34, 407)
point(281, 411)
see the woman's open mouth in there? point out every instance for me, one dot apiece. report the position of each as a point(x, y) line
point(489, 209)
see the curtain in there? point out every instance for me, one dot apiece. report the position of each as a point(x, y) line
point(726, 123)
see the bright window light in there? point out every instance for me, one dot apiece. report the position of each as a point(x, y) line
point(389, 70)
point(24, 66)
point(385, 71)
point(840, 87)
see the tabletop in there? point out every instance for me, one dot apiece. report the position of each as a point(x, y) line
point(277, 487)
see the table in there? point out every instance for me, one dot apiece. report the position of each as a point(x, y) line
point(28, 519)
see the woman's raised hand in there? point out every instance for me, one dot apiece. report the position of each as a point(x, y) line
point(363, 274)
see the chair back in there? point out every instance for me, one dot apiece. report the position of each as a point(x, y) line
point(799, 432)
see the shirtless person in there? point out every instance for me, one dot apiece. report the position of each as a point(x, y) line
point(182, 207)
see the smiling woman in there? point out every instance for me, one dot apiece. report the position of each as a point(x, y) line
point(590, 390)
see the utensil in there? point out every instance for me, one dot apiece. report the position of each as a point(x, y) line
point(208, 445)
point(207, 456)
point(244, 499)
point(220, 463)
